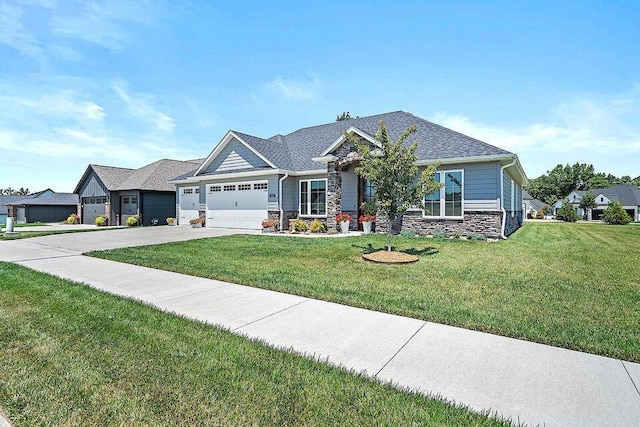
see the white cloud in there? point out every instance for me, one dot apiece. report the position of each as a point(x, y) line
point(13, 33)
point(60, 104)
point(299, 90)
point(140, 105)
point(592, 129)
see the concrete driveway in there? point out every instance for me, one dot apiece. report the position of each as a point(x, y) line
point(131, 236)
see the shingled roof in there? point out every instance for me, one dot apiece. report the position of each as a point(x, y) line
point(55, 199)
point(296, 150)
point(628, 195)
point(111, 176)
point(155, 176)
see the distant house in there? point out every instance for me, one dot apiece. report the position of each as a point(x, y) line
point(118, 193)
point(627, 195)
point(531, 206)
point(310, 174)
point(43, 206)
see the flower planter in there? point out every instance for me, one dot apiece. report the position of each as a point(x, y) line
point(197, 225)
point(366, 226)
point(344, 226)
point(269, 230)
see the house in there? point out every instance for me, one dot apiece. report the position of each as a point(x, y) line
point(118, 193)
point(531, 206)
point(43, 206)
point(309, 174)
point(627, 195)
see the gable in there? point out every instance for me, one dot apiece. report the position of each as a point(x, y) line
point(92, 187)
point(235, 156)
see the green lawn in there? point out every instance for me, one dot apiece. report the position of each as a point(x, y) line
point(29, 234)
point(570, 285)
point(71, 355)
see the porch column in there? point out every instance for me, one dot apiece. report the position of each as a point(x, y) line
point(107, 211)
point(334, 196)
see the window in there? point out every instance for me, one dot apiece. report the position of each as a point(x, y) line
point(125, 200)
point(260, 186)
point(187, 191)
point(369, 192)
point(134, 199)
point(313, 197)
point(229, 188)
point(197, 191)
point(215, 188)
point(243, 187)
point(446, 202)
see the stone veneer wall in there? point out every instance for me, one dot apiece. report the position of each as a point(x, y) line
point(513, 223)
point(334, 195)
point(487, 223)
point(275, 215)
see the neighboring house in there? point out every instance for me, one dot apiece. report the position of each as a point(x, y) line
point(43, 206)
point(627, 195)
point(531, 206)
point(310, 174)
point(118, 193)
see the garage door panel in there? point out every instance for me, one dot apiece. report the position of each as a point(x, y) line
point(237, 205)
point(189, 201)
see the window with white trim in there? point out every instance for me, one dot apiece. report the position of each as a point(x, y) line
point(187, 191)
point(229, 188)
point(215, 188)
point(260, 186)
point(313, 197)
point(447, 201)
point(244, 187)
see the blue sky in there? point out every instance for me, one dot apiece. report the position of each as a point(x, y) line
point(126, 83)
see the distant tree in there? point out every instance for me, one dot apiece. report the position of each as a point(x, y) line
point(587, 203)
point(10, 191)
point(345, 116)
point(560, 181)
point(391, 170)
point(567, 213)
point(616, 215)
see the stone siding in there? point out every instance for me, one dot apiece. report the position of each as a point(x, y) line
point(482, 222)
point(513, 222)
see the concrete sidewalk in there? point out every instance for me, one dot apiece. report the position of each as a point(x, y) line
point(524, 381)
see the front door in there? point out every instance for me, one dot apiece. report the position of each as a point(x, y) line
point(366, 194)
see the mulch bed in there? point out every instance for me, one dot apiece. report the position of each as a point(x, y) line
point(385, 257)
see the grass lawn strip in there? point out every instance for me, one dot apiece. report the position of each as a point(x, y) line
point(570, 285)
point(29, 234)
point(72, 355)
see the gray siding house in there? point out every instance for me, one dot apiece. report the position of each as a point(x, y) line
point(309, 174)
point(627, 195)
point(118, 193)
point(43, 206)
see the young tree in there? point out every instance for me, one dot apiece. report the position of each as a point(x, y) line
point(392, 171)
point(587, 203)
point(616, 215)
point(567, 212)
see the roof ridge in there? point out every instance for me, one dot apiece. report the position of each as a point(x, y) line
point(348, 120)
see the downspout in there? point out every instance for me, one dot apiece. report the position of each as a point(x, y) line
point(280, 198)
point(504, 212)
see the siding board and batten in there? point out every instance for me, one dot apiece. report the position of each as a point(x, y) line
point(235, 156)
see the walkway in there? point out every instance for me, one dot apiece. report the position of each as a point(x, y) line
point(524, 381)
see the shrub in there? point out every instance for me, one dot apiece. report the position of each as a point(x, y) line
point(616, 215)
point(101, 220)
point(299, 225)
point(269, 223)
point(540, 214)
point(567, 213)
point(407, 233)
point(476, 236)
point(439, 235)
point(73, 219)
point(170, 220)
point(317, 227)
point(132, 220)
point(198, 220)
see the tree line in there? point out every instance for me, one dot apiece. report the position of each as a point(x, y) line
point(11, 192)
point(557, 183)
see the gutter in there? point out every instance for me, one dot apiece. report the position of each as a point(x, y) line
point(504, 212)
point(280, 198)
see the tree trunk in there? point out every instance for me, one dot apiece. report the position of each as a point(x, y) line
point(389, 238)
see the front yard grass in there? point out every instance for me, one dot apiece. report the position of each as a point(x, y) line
point(570, 285)
point(71, 355)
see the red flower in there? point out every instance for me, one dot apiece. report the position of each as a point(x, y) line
point(342, 218)
point(367, 218)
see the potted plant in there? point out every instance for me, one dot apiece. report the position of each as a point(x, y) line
point(171, 221)
point(197, 222)
point(102, 221)
point(269, 225)
point(367, 220)
point(343, 219)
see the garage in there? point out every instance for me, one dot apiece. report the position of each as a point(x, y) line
point(189, 204)
point(92, 207)
point(237, 204)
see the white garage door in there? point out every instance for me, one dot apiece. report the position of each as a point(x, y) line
point(189, 204)
point(237, 205)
